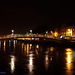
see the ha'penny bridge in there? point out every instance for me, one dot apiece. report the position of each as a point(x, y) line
point(38, 39)
point(30, 37)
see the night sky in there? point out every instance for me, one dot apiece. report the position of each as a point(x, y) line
point(38, 16)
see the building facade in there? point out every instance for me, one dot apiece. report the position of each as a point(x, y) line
point(67, 31)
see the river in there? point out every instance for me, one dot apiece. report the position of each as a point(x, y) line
point(18, 58)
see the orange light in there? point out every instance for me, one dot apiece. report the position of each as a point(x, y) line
point(51, 48)
point(69, 32)
point(68, 49)
point(56, 34)
point(4, 43)
point(37, 46)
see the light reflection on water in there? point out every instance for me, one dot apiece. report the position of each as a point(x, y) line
point(36, 58)
point(0, 44)
point(30, 65)
point(12, 63)
point(4, 45)
point(69, 60)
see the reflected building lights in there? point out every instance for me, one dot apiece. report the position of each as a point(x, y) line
point(37, 49)
point(30, 65)
point(4, 48)
point(9, 43)
point(12, 64)
point(37, 46)
point(51, 58)
point(22, 47)
point(27, 49)
point(0, 44)
point(4, 45)
point(46, 61)
point(69, 60)
point(14, 47)
point(51, 48)
point(30, 46)
point(68, 49)
point(14, 42)
point(37, 52)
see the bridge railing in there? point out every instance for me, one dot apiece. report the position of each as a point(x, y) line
point(25, 35)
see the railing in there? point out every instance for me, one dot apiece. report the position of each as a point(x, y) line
point(25, 35)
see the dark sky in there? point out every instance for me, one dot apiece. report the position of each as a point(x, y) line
point(38, 16)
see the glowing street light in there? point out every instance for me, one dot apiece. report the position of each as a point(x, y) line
point(46, 32)
point(30, 31)
point(12, 32)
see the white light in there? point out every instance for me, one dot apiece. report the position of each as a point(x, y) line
point(60, 36)
point(46, 32)
point(30, 31)
point(30, 65)
point(12, 63)
point(12, 31)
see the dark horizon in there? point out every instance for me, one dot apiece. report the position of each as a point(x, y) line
point(36, 16)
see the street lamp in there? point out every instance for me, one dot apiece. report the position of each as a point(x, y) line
point(30, 31)
point(12, 32)
point(46, 32)
point(52, 32)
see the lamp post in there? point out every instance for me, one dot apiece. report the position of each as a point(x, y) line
point(46, 33)
point(30, 32)
point(12, 32)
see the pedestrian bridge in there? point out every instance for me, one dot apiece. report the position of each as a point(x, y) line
point(25, 36)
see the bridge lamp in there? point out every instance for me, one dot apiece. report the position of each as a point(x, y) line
point(12, 32)
point(30, 31)
point(46, 32)
point(52, 32)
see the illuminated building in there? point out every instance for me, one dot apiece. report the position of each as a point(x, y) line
point(67, 31)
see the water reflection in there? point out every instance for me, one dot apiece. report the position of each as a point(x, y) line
point(30, 46)
point(36, 58)
point(22, 47)
point(69, 64)
point(4, 45)
point(30, 65)
point(14, 43)
point(0, 44)
point(46, 61)
point(51, 48)
point(37, 50)
point(9, 44)
point(27, 49)
point(12, 63)
point(48, 56)
point(37, 46)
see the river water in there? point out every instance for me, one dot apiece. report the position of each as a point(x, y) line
point(18, 58)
